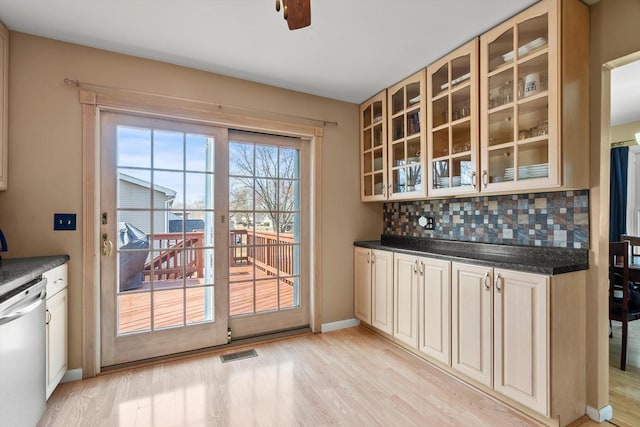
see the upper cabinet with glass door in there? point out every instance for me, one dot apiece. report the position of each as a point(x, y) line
point(532, 85)
point(453, 122)
point(373, 148)
point(406, 138)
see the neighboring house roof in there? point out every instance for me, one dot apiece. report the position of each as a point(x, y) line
point(141, 182)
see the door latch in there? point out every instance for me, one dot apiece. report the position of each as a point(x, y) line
point(107, 245)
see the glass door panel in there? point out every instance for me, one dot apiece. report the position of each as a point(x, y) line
point(501, 165)
point(264, 237)
point(441, 174)
point(440, 80)
point(533, 35)
point(501, 127)
point(501, 50)
point(373, 146)
point(406, 148)
point(462, 173)
point(158, 209)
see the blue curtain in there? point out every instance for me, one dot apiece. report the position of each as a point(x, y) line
point(618, 192)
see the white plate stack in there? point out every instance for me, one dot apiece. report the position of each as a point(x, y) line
point(528, 172)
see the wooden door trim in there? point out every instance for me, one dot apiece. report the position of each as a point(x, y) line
point(93, 102)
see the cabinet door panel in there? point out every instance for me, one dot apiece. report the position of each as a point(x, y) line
point(362, 284)
point(56, 339)
point(521, 338)
point(471, 307)
point(435, 309)
point(382, 291)
point(405, 325)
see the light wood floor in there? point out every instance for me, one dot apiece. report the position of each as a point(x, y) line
point(624, 386)
point(321, 379)
point(350, 377)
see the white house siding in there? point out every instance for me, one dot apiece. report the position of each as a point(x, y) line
point(134, 196)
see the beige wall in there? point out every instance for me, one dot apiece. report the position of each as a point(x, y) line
point(625, 132)
point(613, 35)
point(45, 157)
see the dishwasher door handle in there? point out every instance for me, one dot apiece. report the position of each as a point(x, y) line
point(23, 307)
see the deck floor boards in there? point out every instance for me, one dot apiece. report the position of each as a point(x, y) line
point(135, 307)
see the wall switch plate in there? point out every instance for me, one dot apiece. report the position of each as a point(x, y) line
point(64, 221)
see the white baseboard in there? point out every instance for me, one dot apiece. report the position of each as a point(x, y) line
point(600, 415)
point(72, 375)
point(341, 324)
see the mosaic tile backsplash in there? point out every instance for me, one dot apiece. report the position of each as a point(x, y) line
point(559, 219)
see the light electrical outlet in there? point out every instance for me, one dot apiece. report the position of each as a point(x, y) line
point(427, 222)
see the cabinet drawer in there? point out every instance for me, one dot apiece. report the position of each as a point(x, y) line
point(56, 279)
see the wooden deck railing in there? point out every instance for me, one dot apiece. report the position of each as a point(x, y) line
point(269, 252)
point(178, 258)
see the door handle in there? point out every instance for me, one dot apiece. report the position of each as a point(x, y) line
point(107, 245)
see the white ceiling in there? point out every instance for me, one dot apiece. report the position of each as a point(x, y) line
point(625, 94)
point(352, 50)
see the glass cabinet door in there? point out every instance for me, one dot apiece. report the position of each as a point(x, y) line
point(452, 137)
point(519, 103)
point(406, 138)
point(373, 149)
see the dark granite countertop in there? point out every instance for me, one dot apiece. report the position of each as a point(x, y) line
point(17, 271)
point(533, 259)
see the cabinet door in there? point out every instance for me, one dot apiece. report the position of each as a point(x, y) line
point(382, 291)
point(520, 128)
point(471, 318)
point(373, 148)
point(56, 339)
point(406, 138)
point(453, 122)
point(435, 309)
point(521, 331)
point(405, 285)
point(362, 284)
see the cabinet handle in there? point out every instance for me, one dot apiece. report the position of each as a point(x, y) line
point(497, 282)
point(415, 266)
point(421, 268)
point(373, 259)
point(389, 190)
point(484, 179)
point(48, 317)
point(368, 257)
point(486, 281)
point(474, 179)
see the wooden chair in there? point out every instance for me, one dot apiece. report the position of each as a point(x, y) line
point(621, 308)
point(634, 245)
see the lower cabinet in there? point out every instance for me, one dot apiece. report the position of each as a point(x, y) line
point(422, 305)
point(56, 326)
point(500, 332)
point(517, 335)
point(374, 288)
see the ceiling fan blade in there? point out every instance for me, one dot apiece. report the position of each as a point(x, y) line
point(299, 15)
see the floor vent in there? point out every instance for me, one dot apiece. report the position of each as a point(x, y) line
point(238, 355)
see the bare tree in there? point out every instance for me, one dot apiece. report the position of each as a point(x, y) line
point(270, 173)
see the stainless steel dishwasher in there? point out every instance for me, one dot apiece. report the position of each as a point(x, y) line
point(22, 354)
